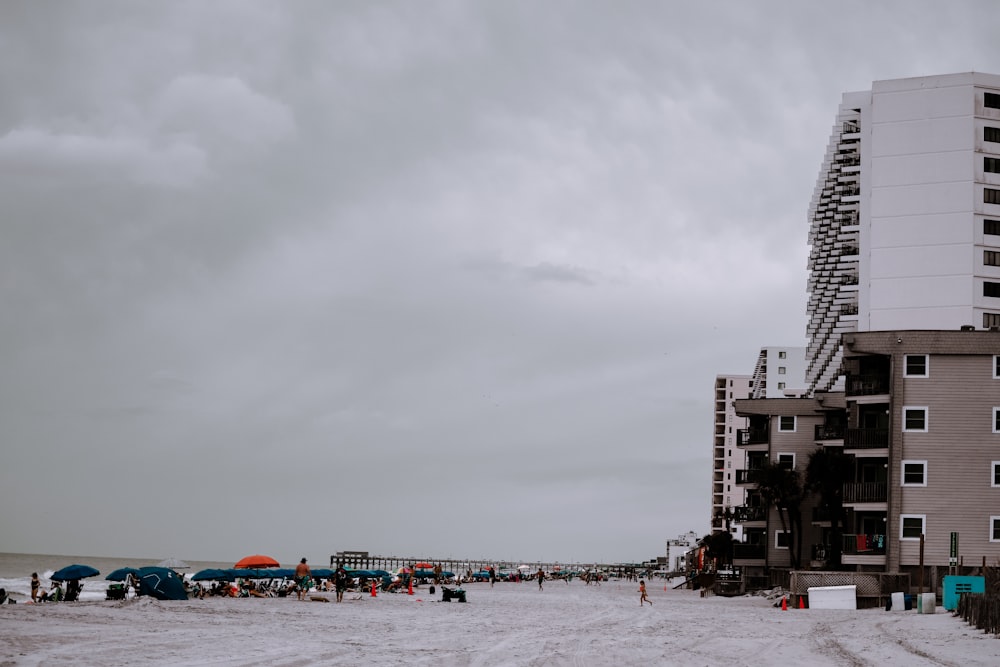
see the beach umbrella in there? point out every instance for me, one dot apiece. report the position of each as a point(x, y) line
point(173, 564)
point(121, 574)
point(161, 583)
point(322, 572)
point(211, 574)
point(74, 572)
point(423, 566)
point(256, 561)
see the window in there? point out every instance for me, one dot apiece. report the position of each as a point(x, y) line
point(995, 529)
point(991, 320)
point(786, 461)
point(991, 258)
point(914, 419)
point(991, 100)
point(781, 370)
point(991, 288)
point(996, 420)
point(782, 354)
point(991, 165)
point(996, 365)
point(781, 539)
point(786, 424)
point(914, 473)
point(911, 526)
point(991, 133)
point(915, 366)
point(781, 385)
point(991, 227)
point(995, 477)
point(991, 196)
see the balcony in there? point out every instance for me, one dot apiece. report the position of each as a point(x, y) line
point(866, 438)
point(745, 476)
point(829, 432)
point(867, 385)
point(752, 436)
point(749, 551)
point(746, 514)
point(866, 492)
point(864, 545)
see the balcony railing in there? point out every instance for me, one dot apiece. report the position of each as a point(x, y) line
point(864, 545)
point(743, 476)
point(829, 431)
point(867, 385)
point(866, 492)
point(745, 513)
point(753, 436)
point(866, 438)
point(749, 551)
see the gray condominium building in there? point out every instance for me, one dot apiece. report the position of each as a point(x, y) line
point(902, 365)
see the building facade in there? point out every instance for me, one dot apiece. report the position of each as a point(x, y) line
point(901, 376)
point(727, 457)
point(905, 218)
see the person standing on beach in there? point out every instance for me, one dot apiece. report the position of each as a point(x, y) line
point(35, 583)
point(642, 596)
point(493, 576)
point(303, 576)
point(541, 577)
point(340, 582)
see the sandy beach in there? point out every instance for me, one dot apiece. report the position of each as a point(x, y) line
point(509, 624)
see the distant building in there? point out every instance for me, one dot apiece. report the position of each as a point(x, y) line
point(677, 550)
point(727, 457)
point(779, 372)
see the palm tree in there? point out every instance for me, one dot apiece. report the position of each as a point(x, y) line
point(780, 486)
point(826, 473)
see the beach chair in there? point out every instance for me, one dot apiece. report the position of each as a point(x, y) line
point(116, 592)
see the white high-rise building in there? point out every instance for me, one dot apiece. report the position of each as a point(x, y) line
point(727, 457)
point(905, 218)
point(780, 372)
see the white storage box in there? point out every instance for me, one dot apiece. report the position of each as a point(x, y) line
point(833, 597)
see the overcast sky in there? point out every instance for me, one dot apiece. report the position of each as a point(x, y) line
point(417, 278)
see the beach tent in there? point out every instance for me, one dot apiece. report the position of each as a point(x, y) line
point(161, 583)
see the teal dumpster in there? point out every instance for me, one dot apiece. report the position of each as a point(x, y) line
point(955, 586)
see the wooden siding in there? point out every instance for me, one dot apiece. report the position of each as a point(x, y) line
point(801, 443)
point(959, 448)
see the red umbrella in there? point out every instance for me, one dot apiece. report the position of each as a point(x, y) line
point(424, 566)
point(257, 561)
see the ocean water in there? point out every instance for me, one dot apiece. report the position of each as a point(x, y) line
point(16, 569)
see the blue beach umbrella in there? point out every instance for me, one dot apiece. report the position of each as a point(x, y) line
point(211, 574)
point(75, 571)
point(121, 574)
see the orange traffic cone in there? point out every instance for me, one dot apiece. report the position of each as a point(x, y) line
point(784, 604)
point(802, 602)
point(410, 592)
point(374, 594)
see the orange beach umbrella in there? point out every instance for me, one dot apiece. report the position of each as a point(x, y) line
point(257, 561)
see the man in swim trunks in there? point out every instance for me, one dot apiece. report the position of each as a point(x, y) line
point(303, 579)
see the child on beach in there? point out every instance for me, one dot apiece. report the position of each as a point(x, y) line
point(642, 590)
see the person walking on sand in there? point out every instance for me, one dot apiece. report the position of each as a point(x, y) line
point(643, 597)
point(493, 576)
point(303, 576)
point(541, 577)
point(340, 582)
